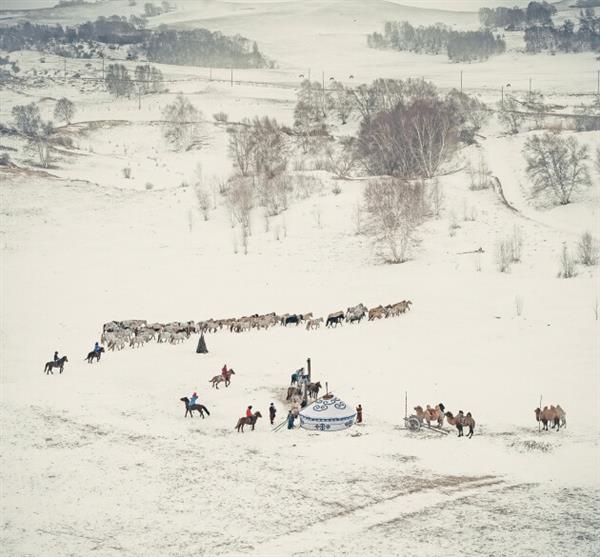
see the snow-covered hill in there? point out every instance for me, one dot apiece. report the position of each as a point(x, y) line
point(100, 460)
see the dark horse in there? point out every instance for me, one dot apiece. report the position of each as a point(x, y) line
point(248, 420)
point(190, 409)
point(60, 363)
point(93, 354)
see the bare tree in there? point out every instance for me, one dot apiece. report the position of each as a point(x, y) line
point(64, 110)
point(242, 144)
point(510, 115)
point(181, 122)
point(556, 164)
point(479, 174)
point(118, 82)
point(149, 79)
point(395, 210)
point(342, 101)
point(270, 153)
point(37, 132)
point(273, 193)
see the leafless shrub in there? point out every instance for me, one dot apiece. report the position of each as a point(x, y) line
point(567, 264)
point(221, 117)
point(342, 158)
point(479, 174)
point(274, 193)
point(588, 249)
point(557, 164)
point(395, 210)
point(504, 255)
point(240, 198)
point(37, 132)
point(478, 262)
point(596, 309)
point(149, 185)
point(519, 305)
point(203, 200)
point(317, 215)
point(242, 144)
point(271, 151)
point(126, 172)
point(516, 245)
point(64, 110)
point(510, 114)
point(336, 189)
point(534, 103)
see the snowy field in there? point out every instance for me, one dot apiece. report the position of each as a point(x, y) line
point(100, 460)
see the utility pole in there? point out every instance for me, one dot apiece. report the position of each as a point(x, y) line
point(598, 86)
point(209, 74)
point(65, 60)
point(140, 95)
point(102, 68)
point(530, 86)
point(502, 94)
point(232, 77)
point(461, 81)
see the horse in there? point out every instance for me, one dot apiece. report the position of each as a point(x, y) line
point(377, 313)
point(93, 354)
point(548, 415)
point(461, 421)
point(190, 409)
point(335, 319)
point(60, 363)
point(313, 323)
point(313, 389)
point(223, 378)
point(294, 319)
point(248, 420)
point(430, 414)
point(356, 313)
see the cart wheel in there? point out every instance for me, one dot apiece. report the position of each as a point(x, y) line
point(413, 423)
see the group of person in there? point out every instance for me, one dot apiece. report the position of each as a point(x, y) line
point(95, 351)
point(293, 413)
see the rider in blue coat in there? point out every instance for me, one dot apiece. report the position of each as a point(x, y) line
point(96, 348)
point(193, 400)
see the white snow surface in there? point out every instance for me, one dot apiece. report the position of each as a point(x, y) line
point(101, 461)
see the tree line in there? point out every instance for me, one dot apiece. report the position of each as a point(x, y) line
point(512, 19)
point(566, 38)
point(188, 47)
point(460, 46)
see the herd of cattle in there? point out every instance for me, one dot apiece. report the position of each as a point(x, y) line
point(116, 335)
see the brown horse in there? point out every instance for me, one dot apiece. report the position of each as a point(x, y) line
point(461, 421)
point(223, 378)
point(190, 409)
point(248, 420)
point(313, 389)
point(430, 415)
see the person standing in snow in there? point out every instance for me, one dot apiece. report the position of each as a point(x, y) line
point(290, 420)
point(359, 414)
point(272, 412)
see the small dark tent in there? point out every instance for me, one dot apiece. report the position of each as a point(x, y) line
point(201, 349)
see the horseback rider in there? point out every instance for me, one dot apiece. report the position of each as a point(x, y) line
point(56, 358)
point(193, 399)
point(96, 348)
point(249, 412)
point(224, 371)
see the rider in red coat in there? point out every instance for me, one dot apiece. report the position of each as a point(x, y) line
point(249, 412)
point(224, 371)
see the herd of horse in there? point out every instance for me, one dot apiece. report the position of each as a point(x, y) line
point(117, 335)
